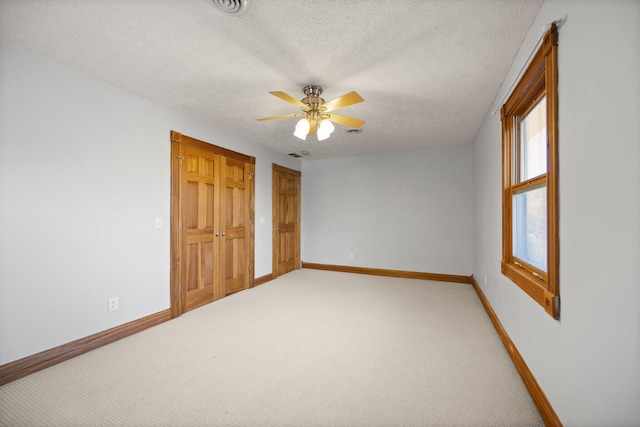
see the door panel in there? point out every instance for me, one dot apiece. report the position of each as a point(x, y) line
point(199, 208)
point(236, 225)
point(286, 215)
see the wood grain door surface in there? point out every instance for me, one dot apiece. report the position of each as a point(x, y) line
point(286, 220)
point(236, 223)
point(212, 223)
point(200, 188)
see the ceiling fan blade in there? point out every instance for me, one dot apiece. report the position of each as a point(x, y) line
point(347, 121)
point(290, 99)
point(284, 116)
point(342, 101)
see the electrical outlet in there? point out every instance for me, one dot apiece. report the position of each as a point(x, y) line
point(158, 222)
point(485, 280)
point(113, 304)
point(350, 255)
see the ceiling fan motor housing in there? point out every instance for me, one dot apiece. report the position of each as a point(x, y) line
point(313, 93)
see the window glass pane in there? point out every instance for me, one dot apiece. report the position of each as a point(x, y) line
point(533, 141)
point(530, 227)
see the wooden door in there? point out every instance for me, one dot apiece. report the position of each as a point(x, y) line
point(211, 223)
point(200, 189)
point(286, 220)
point(236, 226)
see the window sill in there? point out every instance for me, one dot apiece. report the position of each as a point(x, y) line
point(534, 287)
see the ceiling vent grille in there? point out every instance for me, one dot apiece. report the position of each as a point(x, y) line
point(231, 7)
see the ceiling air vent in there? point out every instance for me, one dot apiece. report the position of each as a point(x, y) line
point(296, 155)
point(231, 7)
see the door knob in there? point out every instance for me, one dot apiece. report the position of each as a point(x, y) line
point(278, 229)
point(223, 234)
point(217, 234)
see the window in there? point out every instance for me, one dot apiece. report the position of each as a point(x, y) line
point(530, 179)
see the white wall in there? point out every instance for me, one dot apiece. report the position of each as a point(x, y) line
point(588, 363)
point(84, 170)
point(407, 210)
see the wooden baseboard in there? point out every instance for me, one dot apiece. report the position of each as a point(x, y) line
point(263, 279)
point(28, 365)
point(390, 273)
point(539, 398)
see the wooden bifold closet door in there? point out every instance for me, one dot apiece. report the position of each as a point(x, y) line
point(212, 223)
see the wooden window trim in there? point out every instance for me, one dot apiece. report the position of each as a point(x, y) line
point(539, 79)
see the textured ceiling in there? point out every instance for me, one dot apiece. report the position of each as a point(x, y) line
point(427, 70)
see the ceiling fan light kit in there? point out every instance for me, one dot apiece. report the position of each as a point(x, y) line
point(302, 129)
point(325, 130)
point(315, 116)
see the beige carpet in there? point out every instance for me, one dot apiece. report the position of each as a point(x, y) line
point(311, 348)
